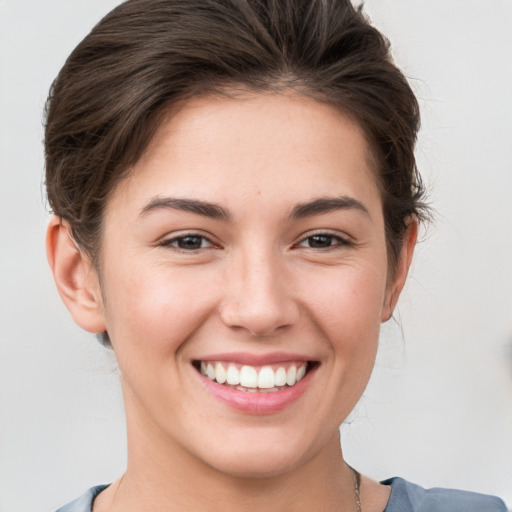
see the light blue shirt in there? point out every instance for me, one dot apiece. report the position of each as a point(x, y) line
point(405, 497)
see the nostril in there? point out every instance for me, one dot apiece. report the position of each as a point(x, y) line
point(259, 295)
point(258, 321)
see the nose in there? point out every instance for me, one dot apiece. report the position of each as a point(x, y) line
point(259, 296)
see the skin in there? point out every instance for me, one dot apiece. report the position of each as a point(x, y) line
point(256, 283)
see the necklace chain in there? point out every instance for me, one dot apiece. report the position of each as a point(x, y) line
point(357, 488)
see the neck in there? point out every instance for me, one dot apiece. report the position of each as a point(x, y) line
point(325, 483)
point(163, 476)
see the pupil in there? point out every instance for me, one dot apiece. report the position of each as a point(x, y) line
point(190, 242)
point(320, 241)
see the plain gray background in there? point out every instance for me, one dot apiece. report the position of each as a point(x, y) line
point(438, 410)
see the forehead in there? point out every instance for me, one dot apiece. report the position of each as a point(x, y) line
point(272, 146)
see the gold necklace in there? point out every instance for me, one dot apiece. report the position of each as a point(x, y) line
point(355, 474)
point(357, 487)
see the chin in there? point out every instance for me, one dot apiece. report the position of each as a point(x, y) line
point(261, 456)
point(259, 465)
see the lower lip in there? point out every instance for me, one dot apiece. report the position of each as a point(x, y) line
point(258, 402)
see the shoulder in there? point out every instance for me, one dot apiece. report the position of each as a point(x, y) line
point(84, 502)
point(408, 497)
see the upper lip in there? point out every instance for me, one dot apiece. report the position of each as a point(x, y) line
point(245, 358)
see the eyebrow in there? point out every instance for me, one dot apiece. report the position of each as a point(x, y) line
point(204, 208)
point(215, 211)
point(325, 205)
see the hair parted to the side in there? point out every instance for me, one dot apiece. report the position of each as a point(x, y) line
point(146, 55)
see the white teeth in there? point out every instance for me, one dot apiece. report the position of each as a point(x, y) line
point(233, 376)
point(280, 376)
point(248, 378)
point(266, 378)
point(290, 375)
point(220, 374)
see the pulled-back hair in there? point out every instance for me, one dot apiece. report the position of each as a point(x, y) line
point(144, 56)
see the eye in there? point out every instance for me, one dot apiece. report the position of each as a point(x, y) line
point(323, 241)
point(190, 242)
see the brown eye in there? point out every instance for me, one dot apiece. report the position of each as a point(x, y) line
point(322, 241)
point(188, 242)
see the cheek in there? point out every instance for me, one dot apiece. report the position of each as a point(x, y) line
point(346, 310)
point(351, 298)
point(155, 306)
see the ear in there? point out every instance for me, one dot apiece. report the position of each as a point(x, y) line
point(76, 279)
point(395, 285)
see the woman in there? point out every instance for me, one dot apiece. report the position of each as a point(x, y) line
point(236, 207)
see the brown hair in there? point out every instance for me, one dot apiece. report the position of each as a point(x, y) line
point(108, 99)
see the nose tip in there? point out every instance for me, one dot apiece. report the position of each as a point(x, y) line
point(259, 301)
point(259, 321)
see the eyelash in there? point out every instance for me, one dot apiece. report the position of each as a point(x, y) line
point(174, 242)
point(333, 241)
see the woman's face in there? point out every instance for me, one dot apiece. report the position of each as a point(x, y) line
point(248, 243)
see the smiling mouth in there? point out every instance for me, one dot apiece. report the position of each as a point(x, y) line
point(255, 379)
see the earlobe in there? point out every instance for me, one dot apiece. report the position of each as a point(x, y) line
point(396, 285)
point(76, 279)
